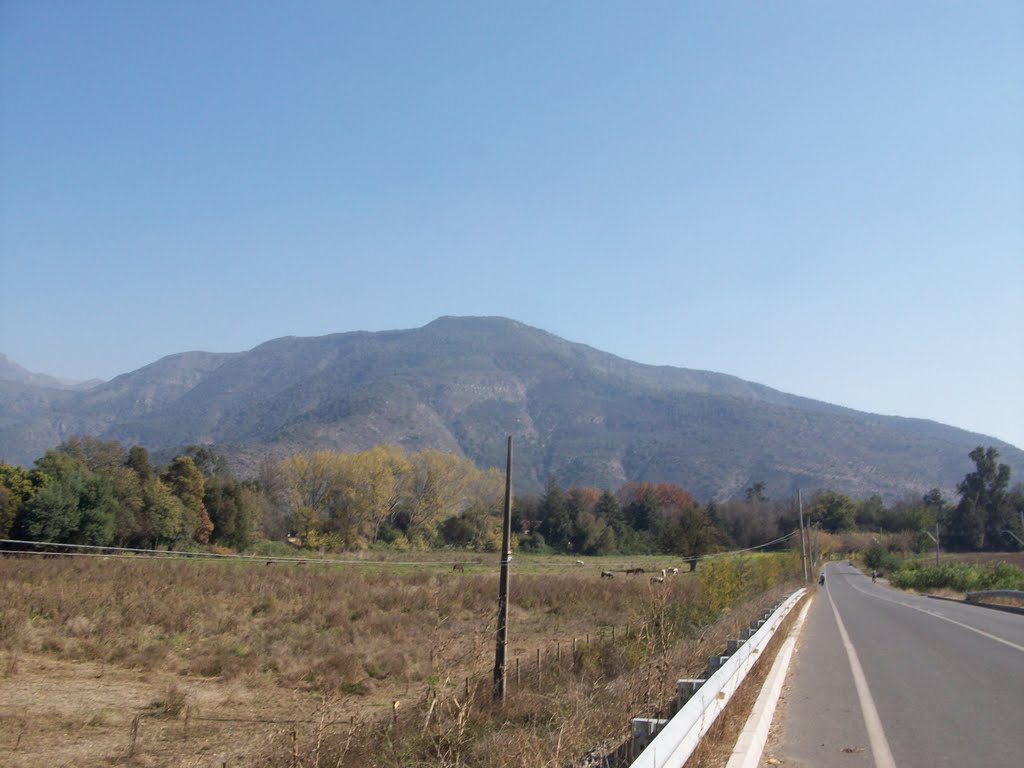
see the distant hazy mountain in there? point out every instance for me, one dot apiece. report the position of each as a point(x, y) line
point(463, 384)
point(12, 372)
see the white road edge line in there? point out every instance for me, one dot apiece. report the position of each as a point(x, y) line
point(940, 616)
point(750, 744)
point(873, 723)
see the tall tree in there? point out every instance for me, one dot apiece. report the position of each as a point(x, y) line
point(870, 512)
point(138, 462)
point(608, 509)
point(164, 515)
point(590, 534)
point(555, 524)
point(309, 484)
point(186, 482)
point(208, 461)
point(232, 509)
point(686, 532)
point(835, 511)
point(436, 488)
point(639, 506)
point(983, 512)
point(72, 506)
point(17, 486)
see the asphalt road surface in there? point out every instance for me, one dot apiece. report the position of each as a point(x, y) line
point(887, 678)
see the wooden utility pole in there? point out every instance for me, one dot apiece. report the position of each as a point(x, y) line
point(506, 558)
point(937, 539)
point(803, 541)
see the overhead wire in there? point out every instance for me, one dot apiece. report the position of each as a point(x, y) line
point(127, 553)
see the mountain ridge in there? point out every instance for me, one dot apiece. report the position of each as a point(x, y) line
point(461, 384)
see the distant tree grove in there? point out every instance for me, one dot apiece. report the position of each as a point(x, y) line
point(88, 491)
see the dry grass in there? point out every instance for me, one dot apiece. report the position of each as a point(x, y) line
point(301, 665)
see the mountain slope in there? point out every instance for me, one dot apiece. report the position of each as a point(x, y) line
point(462, 384)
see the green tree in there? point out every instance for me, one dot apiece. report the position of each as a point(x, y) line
point(232, 509)
point(138, 462)
point(608, 509)
point(72, 506)
point(835, 511)
point(164, 518)
point(983, 513)
point(641, 508)
point(687, 532)
point(208, 461)
point(870, 512)
point(186, 482)
point(17, 486)
point(1016, 502)
point(555, 523)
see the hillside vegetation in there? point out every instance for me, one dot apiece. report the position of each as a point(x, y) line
point(461, 385)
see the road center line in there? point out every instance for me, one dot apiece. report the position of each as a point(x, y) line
point(873, 723)
point(981, 632)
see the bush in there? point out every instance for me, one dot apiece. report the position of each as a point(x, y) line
point(962, 577)
point(878, 558)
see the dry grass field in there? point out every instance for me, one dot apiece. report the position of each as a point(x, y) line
point(145, 662)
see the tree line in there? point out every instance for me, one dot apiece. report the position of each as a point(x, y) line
point(88, 491)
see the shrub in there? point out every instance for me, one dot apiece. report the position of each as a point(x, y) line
point(879, 558)
point(962, 577)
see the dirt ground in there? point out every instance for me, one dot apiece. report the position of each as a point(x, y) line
point(56, 713)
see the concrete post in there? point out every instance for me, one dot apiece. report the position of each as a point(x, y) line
point(644, 731)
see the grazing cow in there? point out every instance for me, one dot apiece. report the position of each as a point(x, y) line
point(579, 562)
point(607, 575)
point(657, 579)
point(673, 570)
point(458, 567)
point(634, 571)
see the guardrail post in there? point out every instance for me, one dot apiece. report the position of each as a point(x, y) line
point(685, 689)
point(714, 664)
point(731, 646)
point(644, 731)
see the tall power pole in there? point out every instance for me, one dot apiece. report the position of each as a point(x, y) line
point(506, 558)
point(803, 541)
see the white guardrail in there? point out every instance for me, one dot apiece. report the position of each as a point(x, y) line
point(677, 738)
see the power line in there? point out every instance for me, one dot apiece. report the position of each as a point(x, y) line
point(130, 553)
point(740, 551)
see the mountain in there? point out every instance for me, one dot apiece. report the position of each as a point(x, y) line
point(463, 384)
point(10, 371)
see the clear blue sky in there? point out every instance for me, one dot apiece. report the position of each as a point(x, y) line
point(827, 198)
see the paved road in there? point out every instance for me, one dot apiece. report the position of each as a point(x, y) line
point(885, 678)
